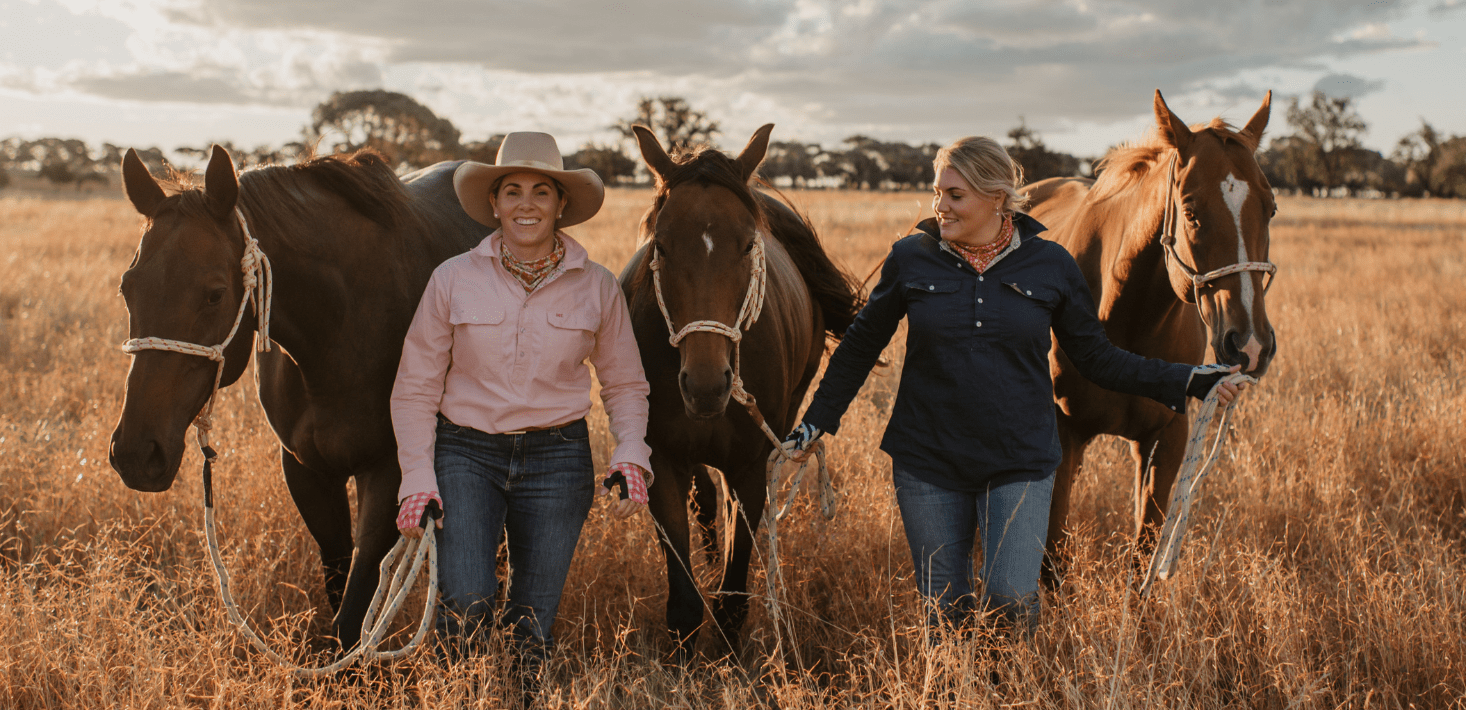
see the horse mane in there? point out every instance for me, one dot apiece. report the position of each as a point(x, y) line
point(833, 290)
point(363, 179)
point(1129, 163)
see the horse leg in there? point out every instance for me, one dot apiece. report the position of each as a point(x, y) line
point(1153, 488)
point(323, 505)
point(730, 609)
point(1056, 546)
point(376, 532)
point(669, 508)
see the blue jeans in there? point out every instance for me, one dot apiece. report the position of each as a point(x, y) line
point(1012, 515)
point(537, 487)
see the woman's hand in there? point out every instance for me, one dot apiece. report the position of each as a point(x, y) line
point(410, 520)
point(796, 445)
point(633, 481)
point(1204, 378)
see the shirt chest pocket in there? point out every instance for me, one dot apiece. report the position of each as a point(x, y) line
point(1028, 309)
point(572, 334)
point(481, 338)
point(933, 302)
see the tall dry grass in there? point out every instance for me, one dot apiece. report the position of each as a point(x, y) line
point(1324, 567)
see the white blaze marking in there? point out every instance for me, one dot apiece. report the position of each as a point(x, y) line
point(1234, 194)
point(708, 241)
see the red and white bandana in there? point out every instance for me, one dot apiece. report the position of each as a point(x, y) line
point(409, 516)
point(982, 256)
point(533, 273)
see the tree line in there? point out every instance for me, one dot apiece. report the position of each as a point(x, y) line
point(1324, 154)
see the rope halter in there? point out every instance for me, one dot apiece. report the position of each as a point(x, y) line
point(259, 290)
point(1168, 242)
point(753, 305)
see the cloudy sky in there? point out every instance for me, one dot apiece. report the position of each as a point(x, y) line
point(184, 72)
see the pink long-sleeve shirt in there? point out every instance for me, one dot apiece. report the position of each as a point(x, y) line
point(491, 357)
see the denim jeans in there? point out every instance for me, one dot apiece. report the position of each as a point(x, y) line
point(537, 488)
point(1011, 514)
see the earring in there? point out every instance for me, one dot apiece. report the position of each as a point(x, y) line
point(496, 215)
point(559, 216)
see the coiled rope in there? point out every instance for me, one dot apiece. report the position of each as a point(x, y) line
point(1195, 466)
point(259, 291)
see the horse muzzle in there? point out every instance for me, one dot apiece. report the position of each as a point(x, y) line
point(1249, 351)
point(144, 464)
point(705, 391)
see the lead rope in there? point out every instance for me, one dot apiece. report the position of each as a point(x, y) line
point(1195, 466)
point(774, 509)
point(259, 286)
point(1193, 470)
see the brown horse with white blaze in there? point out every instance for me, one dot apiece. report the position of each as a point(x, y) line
point(1173, 240)
point(741, 285)
point(351, 248)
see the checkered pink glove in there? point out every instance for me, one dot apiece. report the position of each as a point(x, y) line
point(631, 478)
point(409, 516)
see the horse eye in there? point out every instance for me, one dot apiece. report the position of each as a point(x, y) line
point(215, 297)
point(748, 249)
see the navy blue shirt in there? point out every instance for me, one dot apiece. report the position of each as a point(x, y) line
point(976, 398)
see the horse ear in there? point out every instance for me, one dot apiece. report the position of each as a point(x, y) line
point(221, 185)
point(754, 152)
point(140, 186)
point(656, 158)
point(1173, 130)
point(1258, 123)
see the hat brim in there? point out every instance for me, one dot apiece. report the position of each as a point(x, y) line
point(583, 188)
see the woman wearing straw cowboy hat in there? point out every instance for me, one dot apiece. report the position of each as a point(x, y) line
point(492, 391)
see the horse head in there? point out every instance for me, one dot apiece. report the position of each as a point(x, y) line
point(706, 231)
point(1218, 213)
point(184, 284)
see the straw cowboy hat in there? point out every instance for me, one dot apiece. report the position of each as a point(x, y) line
point(535, 153)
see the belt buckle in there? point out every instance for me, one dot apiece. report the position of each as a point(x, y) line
point(516, 433)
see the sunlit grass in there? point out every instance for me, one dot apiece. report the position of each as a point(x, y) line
point(1323, 570)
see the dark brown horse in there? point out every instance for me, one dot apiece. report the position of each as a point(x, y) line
point(707, 229)
point(352, 249)
point(1149, 303)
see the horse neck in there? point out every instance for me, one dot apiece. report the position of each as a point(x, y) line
point(1134, 288)
point(333, 272)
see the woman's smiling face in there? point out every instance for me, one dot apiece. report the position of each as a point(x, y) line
point(528, 204)
point(964, 214)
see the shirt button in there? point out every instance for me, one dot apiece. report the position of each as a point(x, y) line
point(1029, 292)
point(979, 324)
point(931, 288)
point(979, 278)
point(979, 300)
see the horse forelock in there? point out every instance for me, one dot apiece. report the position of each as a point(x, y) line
point(709, 166)
point(1128, 164)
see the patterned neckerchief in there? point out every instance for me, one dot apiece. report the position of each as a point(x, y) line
point(981, 256)
point(532, 273)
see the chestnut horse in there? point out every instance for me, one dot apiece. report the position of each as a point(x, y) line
point(707, 235)
point(352, 248)
point(1156, 286)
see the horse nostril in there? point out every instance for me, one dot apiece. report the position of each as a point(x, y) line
point(1231, 349)
point(728, 378)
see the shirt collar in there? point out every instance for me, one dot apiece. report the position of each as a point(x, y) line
point(1023, 226)
point(575, 254)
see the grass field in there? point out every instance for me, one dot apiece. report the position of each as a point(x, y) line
point(1324, 569)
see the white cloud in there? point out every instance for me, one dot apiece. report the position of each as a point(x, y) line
point(824, 69)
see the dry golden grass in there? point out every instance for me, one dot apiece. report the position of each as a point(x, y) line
point(1324, 567)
